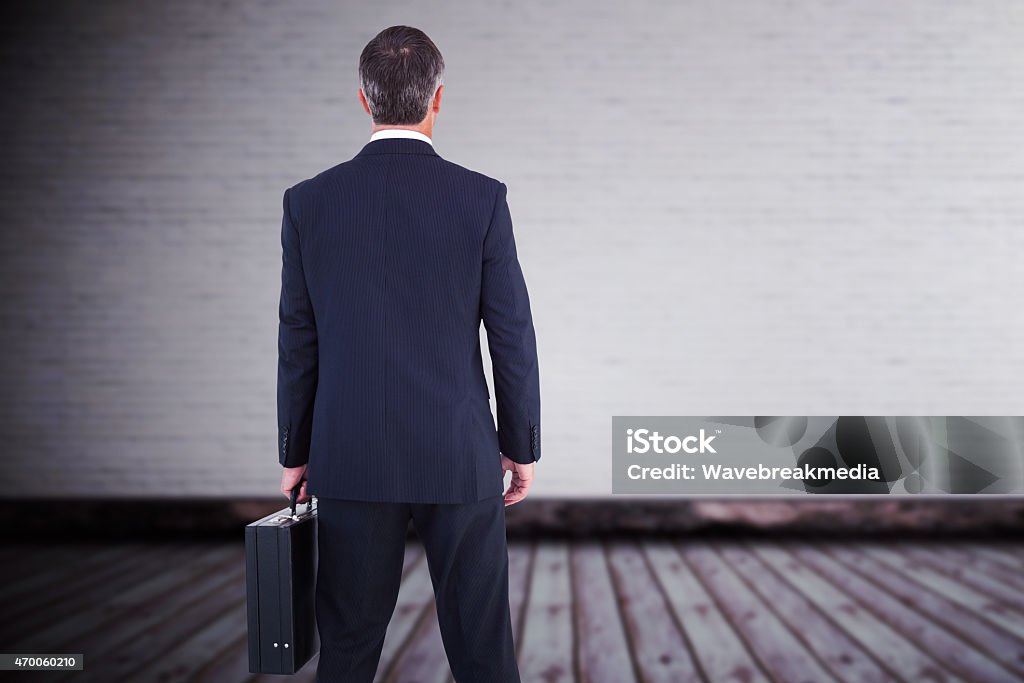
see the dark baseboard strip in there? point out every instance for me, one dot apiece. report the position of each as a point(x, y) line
point(220, 519)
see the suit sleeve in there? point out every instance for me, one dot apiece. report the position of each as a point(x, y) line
point(297, 357)
point(505, 310)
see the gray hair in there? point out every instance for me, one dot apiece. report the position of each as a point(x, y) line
point(399, 72)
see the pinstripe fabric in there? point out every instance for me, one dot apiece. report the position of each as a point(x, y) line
point(390, 262)
point(361, 547)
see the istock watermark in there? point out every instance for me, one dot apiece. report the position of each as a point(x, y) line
point(801, 455)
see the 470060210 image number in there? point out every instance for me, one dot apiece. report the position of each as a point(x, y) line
point(54, 662)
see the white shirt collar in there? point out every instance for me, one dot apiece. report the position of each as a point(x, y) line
point(400, 133)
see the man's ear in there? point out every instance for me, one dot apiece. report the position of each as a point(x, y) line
point(362, 100)
point(436, 104)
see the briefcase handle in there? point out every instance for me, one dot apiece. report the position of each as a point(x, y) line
point(294, 496)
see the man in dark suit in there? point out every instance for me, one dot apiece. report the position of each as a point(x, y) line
point(391, 260)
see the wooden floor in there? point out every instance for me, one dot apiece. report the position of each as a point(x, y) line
point(652, 611)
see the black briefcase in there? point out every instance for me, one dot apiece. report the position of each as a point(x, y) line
point(280, 582)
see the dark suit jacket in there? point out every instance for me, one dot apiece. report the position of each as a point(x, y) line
point(390, 262)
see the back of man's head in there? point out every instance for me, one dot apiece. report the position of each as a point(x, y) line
point(399, 72)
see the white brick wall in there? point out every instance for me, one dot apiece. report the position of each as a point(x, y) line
point(722, 208)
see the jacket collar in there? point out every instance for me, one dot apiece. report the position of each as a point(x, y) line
point(397, 146)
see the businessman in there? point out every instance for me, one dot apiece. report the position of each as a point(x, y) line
point(391, 261)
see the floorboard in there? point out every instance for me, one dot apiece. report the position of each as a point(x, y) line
point(583, 611)
point(845, 658)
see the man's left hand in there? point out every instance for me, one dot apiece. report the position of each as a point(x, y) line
point(522, 478)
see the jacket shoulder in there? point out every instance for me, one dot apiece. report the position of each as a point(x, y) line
point(471, 176)
point(303, 195)
point(307, 185)
point(304, 192)
point(485, 190)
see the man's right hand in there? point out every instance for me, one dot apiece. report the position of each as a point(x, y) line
point(522, 478)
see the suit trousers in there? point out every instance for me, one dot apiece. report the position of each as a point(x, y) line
point(361, 549)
